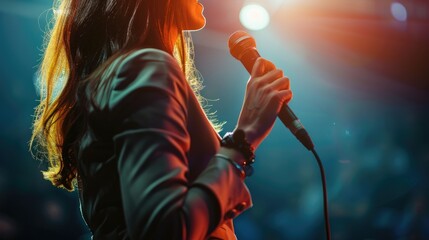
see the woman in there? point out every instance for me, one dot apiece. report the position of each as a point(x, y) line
point(127, 127)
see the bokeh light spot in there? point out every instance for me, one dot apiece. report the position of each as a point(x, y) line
point(254, 17)
point(399, 12)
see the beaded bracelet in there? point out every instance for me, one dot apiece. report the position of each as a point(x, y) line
point(237, 141)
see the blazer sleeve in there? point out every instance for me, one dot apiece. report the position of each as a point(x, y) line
point(148, 108)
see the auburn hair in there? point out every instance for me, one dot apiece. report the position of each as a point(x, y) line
point(86, 37)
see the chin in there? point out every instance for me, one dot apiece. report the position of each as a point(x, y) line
point(193, 18)
point(198, 24)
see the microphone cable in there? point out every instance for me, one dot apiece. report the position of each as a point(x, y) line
point(325, 195)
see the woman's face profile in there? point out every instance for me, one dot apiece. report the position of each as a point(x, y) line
point(192, 15)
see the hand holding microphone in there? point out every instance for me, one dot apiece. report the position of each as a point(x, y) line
point(267, 94)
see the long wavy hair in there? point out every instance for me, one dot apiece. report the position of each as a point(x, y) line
point(86, 37)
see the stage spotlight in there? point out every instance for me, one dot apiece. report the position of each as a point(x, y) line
point(254, 17)
point(399, 12)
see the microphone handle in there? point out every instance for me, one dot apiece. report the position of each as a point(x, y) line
point(286, 115)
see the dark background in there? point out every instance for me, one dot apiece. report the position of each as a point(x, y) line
point(361, 87)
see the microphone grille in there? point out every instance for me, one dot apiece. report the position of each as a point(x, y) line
point(239, 42)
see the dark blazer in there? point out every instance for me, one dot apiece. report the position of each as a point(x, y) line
point(145, 162)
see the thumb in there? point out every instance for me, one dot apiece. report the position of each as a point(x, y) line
point(261, 67)
point(258, 68)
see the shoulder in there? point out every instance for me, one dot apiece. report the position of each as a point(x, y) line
point(151, 68)
point(149, 60)
point(146, 72)
point(150, 54)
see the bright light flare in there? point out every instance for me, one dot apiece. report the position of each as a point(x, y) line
point(254, 17)
point(399, 12)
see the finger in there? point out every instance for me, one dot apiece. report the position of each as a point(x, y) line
point(284, 96)
point(279, 84)
point(261, 67)
point(281, 97)
point(271, 76)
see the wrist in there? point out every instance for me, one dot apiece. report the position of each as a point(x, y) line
point(237, 143)
point(238, 140)
point(250, 135)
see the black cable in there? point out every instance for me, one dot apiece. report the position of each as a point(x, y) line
point(325, 196)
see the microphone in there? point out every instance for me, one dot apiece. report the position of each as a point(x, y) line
point(242, 46)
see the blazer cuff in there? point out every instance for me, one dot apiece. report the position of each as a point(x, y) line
point(232, 194)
